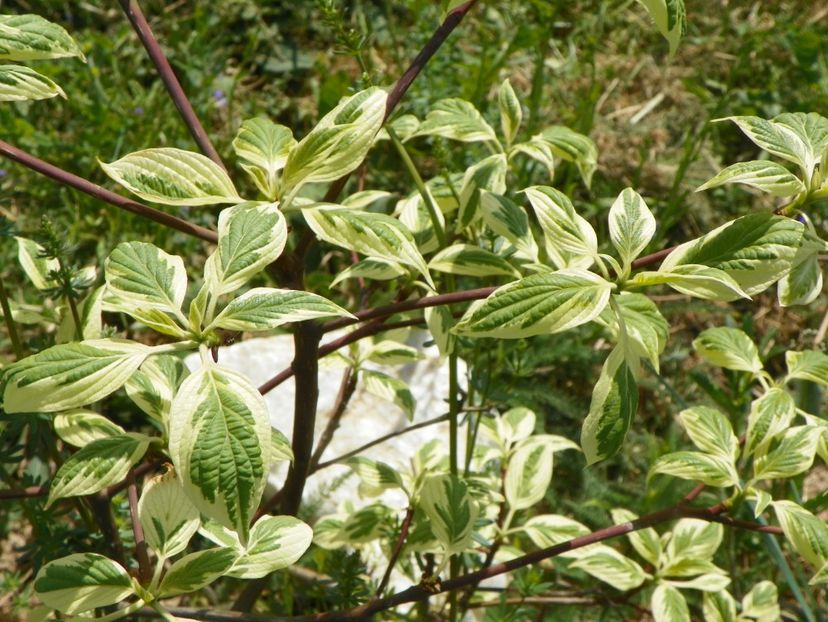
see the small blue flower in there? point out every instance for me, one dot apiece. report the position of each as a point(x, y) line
point(138, 110)
point(2, 172)
point(221, 99)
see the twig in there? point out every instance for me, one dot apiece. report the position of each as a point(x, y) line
point(381, 439)
point(333, 346)
point(79, 183)
point(167, 75)
point(398, 546)
point(141, 548)
point(374, 328)
point(346, 391)
point(439, 37)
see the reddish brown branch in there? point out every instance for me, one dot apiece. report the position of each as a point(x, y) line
point(439, 37)
point(141, 548)
point(168, 77)
point(69, 179)
point(398, 546)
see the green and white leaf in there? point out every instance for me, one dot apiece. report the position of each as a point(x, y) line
point(712, 582)
point(710, 431)
point(82, 581)
point(153, 387)
point(631, 225)
point(450, 510)
point(469, 260)
point(770, 415)
point(280, 448)
point(141, 275)
point(507, 219)
point(570, 239)
point(762, 602)
point(608, 565)
point(30, 37)
point(80, 427)
point(173, 177)
point(668, 605)
point(487, 175)
point(528, 475)
point(19, 83)
point(794, 454)
point(265, 308)
point(548, 530)
point(365, 198)
point(697, 467)
point(539, 304)
point(220, 443)
point(390, 389)
point(645, 541)
point(537, 149)
point(371, 268)
point(730, 348)
point(389, 352)
point(374, 477)
point(511, 113)
point(440, 323)
point(755, 250)
point(613, 406)
point(807, 534)
point(195, 571)
point(167, 516)
point(719, 607)
point(251, 236)
point(693, 539)
point(694, 280)
point(670, 19)
point(456, 119)
point(573, 147)
point(375, 235)
point(804, 282)
point(338, 143)
point(71, 375)
point(515, 425)
point(101, 463)
point(763, 175)
point(646, 329)
point(263, 148)
point(808, 365)
point(36, 267)
point(778, 139)
point(276, 542)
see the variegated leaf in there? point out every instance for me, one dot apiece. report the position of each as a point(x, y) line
point(263, 148)
point(470, 260)
point(570, 239)
point(101, 463)
point(540, 304)
point(511, 114)
point(710, 431)
point(71, 375)
point(19, 83)
point(763, 175)
point(80, 427)
point(173, 177)
point(730, 348)
point(389, 388)
point(196, 570)
point(265, 308)
point(251, 236)
point(276, 542)
point(167, 516)
point(81, 582)
point(220, 444)
point(451, 511)
point(456, 119)
point(30, 37)
point(376, 235)
point(608, 565)
point(338, 143)
point(509, 220)
point(755, 250)
point(631, 225)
